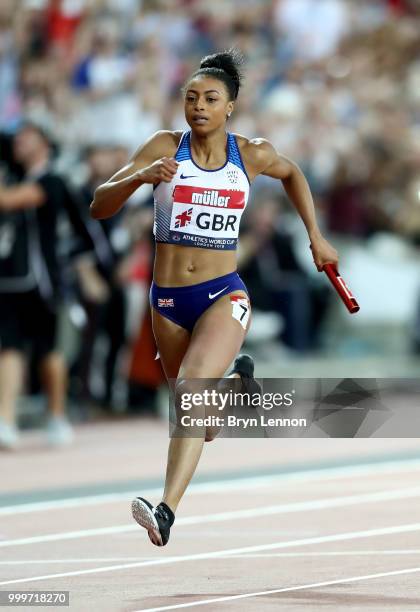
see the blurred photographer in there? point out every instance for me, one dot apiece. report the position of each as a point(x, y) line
point(30, 278)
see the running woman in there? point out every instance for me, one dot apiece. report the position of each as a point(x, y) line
point(200, 306)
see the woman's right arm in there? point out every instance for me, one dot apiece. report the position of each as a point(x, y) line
point(149, 164)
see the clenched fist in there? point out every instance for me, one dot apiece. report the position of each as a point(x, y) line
point(161, 170)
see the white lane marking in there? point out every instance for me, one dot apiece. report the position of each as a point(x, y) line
point(301, 587)
point(336, 537)
point(335, 553)
point(316, 504)
point(221, 486)
point(70, 535)
point(74, 502)
point(53, 561)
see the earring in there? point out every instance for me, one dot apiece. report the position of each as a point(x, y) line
point(229, 114)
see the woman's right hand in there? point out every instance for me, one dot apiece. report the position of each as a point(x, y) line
point(163, 169)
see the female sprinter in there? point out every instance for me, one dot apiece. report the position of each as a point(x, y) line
point(200, 306)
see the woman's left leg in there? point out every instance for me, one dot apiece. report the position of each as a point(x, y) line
point(216, 340)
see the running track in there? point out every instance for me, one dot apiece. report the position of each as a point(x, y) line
point(286, 524)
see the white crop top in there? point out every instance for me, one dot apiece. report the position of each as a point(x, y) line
point(202, 208)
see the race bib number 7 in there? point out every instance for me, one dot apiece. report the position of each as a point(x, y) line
point(240, 309)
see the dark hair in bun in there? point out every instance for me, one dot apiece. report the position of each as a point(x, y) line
point(224, 66)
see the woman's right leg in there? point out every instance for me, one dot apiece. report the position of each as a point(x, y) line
point(200, 356)
point(184, 452)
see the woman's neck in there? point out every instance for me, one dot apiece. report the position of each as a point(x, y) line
point(209, 148)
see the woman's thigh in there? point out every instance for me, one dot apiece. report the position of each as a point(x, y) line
point(206, 353)
point(210, 349)
point(217, 338)
point(172, 342)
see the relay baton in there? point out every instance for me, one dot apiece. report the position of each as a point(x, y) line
point(341, 288)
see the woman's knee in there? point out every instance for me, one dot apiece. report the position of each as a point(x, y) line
point(190, 412)
point(187, 394)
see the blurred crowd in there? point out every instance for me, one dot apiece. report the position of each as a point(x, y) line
point(334, 84)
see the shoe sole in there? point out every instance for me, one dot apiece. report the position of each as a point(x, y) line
point(143, 515)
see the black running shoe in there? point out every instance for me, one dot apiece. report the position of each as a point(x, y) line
point(244, 366)
point(157, 520)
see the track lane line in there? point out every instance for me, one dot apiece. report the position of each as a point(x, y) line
point(301, 587)
point(316, 504)
point(221, 486)
point(82, 560)
point(337, 537)
point(337, 553)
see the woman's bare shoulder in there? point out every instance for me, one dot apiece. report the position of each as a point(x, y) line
point(163, 143)
point(174, 136)
point(255, 153)
point(253, 146)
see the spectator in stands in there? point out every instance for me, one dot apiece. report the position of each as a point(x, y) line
point(277, 281)
point(30, 276)
point(101, 294)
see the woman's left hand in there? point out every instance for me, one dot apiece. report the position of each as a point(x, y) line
point(323, 252)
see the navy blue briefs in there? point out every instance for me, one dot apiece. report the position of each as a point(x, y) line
point(185, 305)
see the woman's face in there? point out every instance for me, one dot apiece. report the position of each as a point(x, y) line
point(207, 104)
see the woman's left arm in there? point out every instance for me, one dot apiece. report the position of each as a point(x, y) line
point(270, 163)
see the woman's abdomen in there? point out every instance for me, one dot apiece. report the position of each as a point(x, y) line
point(177, 266)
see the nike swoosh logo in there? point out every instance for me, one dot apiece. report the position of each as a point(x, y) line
point(213, 295)
point(189, 176)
